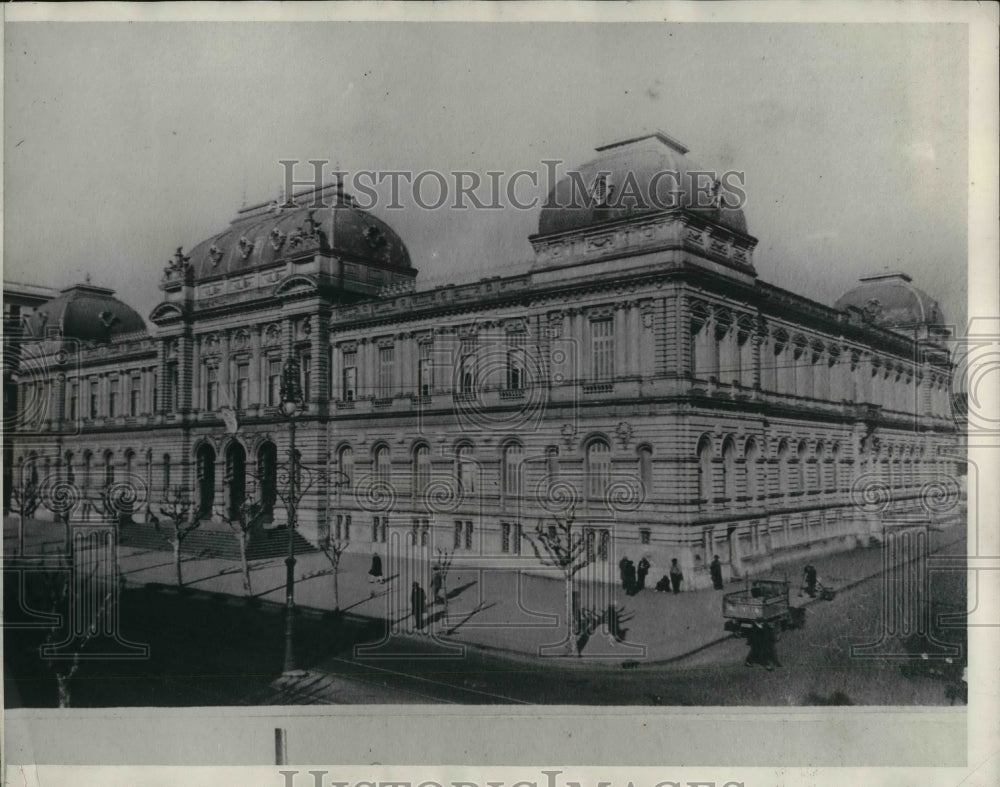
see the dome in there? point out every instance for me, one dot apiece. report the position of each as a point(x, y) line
point(642, 175)
point(266, 233)
point(890, 299)
point(87, 313)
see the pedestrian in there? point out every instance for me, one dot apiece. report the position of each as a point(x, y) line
point(676, 575)
point(622, 569)
point(629, 577)
point(375, 572)
point(769, 655)
point(811, 580)
point(715, 568)
point(754, 641)
point(641, 574)
point(417, 603)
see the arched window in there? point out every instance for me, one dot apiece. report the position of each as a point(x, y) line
point(729, 468)
point(205, 467)
point(511, 469)
point(87, 458)
point(70, 477)
point(109, 469)
point(598, 469)
point(552, 464)
point(835, 467)
point(821, 465)
point(704, 349)
point(421, 469)
point(465, 469)
point(784, 459)
point(645, 454)
point(705, 469)
point(383, 465)
point(752, 454)
point(800, 467)
point(345, 463)
point(129, 458)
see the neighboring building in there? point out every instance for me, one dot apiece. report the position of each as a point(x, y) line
point(19, 301)
point(638, 375)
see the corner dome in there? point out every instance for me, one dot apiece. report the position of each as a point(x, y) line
point(269, 232)
point(630, 167)
point(891, 300)
point(86, 313)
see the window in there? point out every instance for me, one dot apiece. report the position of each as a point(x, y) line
point(93, 399)
point(420, 534)
point(425, 371)
point(166, 473)
point(467, 373)
point(705, 469)
point(602, 336)
point(604, 546)
point(598, 468)
point(466, 470)
point(156, 391)
point(385, 369)
point(133, 396)
point(173, 388)
point(515, 361)
point(242, 385)
point(113, 386)
point(463, 534)
point(305, 365)
point(74, 395)
point(510, 537)
point(421, 469)
point(751, 452)
point(459, 527)
point(646, 469)
point(784, 455)
point(342, 531)
point(379, 526)
point(349, 377)
point(109, 470)
point(273, 382)
point(729, 469)
point(645, 536)
point(512, 470)
point(505, 537)
point(468, 534)
point(211, 387)
point(346, 462)
point(383, 466)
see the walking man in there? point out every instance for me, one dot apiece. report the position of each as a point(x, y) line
point(676, 576)
point(629, 577)
point(640, 582)
point(811, 578)
point(715, 568)
point(417, 603)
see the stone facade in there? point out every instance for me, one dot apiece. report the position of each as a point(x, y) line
point(639, 377)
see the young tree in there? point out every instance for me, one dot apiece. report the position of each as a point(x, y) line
point(334, 548)
point(57, 578)
point(183, 518)
point(564, 546)
point(242, 519)
point(439, 580)
point(25, 498)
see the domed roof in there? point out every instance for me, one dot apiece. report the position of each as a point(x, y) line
point(87, 313)
point(642, 175)
point(891, 300)
point(269, 232)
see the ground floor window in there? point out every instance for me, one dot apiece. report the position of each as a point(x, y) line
point(463, 534)
point(420, 535)
point(379, 527)
point(342, 531)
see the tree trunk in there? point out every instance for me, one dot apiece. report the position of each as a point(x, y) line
point(336, 586)
point(243, 562)
point(177, 562)
point(571, 621)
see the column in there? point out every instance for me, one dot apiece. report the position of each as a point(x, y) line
point(225, 395)
point(255, 365)
point(336, 373)
point(197, 402)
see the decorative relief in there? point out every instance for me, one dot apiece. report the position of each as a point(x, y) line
point(277, 238)
point(568, 432)
point(179, 267)
point(215, 254)
point(246, 247)
point(240, 340)
point(272, 335)
point(624, 433)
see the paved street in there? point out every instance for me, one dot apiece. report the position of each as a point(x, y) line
point(488, 648)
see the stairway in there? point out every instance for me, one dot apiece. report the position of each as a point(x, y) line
point(213, 542)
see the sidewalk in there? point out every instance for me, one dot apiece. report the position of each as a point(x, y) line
point(496, 609)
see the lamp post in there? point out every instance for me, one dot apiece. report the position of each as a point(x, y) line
point(291, 401)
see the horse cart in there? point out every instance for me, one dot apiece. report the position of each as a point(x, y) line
point(762, 601)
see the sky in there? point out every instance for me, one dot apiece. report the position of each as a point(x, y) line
point(123, 141)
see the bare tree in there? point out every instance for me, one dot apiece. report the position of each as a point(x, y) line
point(57, 580)
point(183, 517)
point(334, 548)
point(242, 519)
point(25, 498)
point(562, 545)
point(439, 581)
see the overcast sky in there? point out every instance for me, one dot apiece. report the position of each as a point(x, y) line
point(123, 141)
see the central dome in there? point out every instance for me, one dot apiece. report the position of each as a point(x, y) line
point(311, 223)
point(654, 167)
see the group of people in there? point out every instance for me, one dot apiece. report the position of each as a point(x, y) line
point(633, 577)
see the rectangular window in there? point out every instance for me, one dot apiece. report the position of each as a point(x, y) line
point(113, 397)
point(505, 537)
point(515, 361)
point(467, 374)
point(602, 340)
point(385, 368)
point(242, 385)
point(343, 528)
point(93, 398)
point(173, 388)
point(273, 382)
point(156, 392)
point(135, 391)
point(349, 377)
point(379, 527)
point(468, 534)
point(459, 529)
point(211, 387)
point(74, 395)
point(305, 364)
point(644, 535)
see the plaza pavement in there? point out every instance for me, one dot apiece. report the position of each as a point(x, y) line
point(498, 609)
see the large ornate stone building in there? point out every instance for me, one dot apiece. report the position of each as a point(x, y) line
point(638, 377)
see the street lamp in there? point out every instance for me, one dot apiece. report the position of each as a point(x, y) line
point(291, 402)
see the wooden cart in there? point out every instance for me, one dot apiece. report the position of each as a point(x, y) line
point(762, 601)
